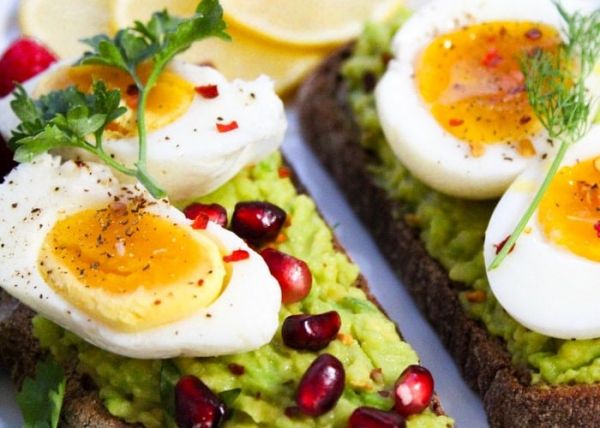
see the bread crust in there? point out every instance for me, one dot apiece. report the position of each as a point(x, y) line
point(328, 125)
point(20, 351)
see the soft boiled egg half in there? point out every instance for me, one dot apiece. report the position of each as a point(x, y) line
point(452, 103)
point(202, 129)
point(550, 280)
point(126, 272)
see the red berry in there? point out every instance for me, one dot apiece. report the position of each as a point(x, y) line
point(413, 390)
point(214, 212)
point(311, 332)
point(196, 406)
point(257, 222)
point(293, 275)
point(22, 60)
point(321, 386)
point(368, 417)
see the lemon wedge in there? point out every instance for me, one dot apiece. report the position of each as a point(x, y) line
point(246, 57)
point(61, 24)
point(307, 22)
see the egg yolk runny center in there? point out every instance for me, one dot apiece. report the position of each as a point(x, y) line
point(168, 100)
point(472, 82)
point(570, 210)
point(130, 268)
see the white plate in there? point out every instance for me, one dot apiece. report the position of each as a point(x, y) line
point(458, 400)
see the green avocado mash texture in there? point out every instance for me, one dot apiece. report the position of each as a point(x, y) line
point(453, 231)
point(130, 388)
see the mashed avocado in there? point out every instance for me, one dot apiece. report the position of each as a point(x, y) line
point(453, 231)
point(369, 341)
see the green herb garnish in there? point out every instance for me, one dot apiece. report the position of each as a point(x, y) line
point(41, 399)
point(67, 118)
point(555, 83)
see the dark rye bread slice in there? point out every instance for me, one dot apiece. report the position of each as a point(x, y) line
point(20, 352)
point(510, 400)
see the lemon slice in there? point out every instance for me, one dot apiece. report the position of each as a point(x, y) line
point(307, 22)
point(246, 57)
point(61, 24)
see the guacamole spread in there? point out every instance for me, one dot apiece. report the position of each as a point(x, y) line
point(369, 346)
point(453, 230)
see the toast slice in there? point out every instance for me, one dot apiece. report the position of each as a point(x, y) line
point(510, 399)
point(20, 349)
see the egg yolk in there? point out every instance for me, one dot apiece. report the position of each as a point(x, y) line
point(472, 82)
point(130, 268)
point(570, 210)
point(168, 100)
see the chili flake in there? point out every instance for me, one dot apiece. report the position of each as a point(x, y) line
point(455, 122)
point(236, 256)
point(597, 228)
point(208, 91)
point(492, 58)
point(502, 244)
point(226, 127)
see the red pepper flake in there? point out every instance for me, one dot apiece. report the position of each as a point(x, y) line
point(455, 122)
point(236, 256)
point(132, 95)
point(502, 244)
point(200, 282)
point(534, 34)
point(492, 58)
point(597, 228)
point(208, 91)
point(200, 222)
point(284, 172)
point(524, 120)
point(236, 369)
point(226, 127)
point(157, 302)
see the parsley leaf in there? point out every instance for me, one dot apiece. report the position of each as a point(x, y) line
point(169, 376)
point(41, 399)
point(65, 118)
point(158, 41)
point(70, 118)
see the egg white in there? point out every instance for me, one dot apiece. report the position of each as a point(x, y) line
point(433, 155)
point(544, 286)
point(35, 195)
point(190, 157)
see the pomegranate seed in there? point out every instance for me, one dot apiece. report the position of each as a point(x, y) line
point(413, 390)
point(236, 256)
point(208, 91)
point(321, 386)
point(196, 406)
point(22, 60)
point(369, 417)
point(257, 222)
point(226, 127)
point(293, 275)
point(311, 332)
point(213, 212)
point(201, 222)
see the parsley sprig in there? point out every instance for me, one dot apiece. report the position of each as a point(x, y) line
point(41, 398)
point(555, 83)
point(69, 118)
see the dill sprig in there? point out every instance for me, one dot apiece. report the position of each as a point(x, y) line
point(555, 82)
